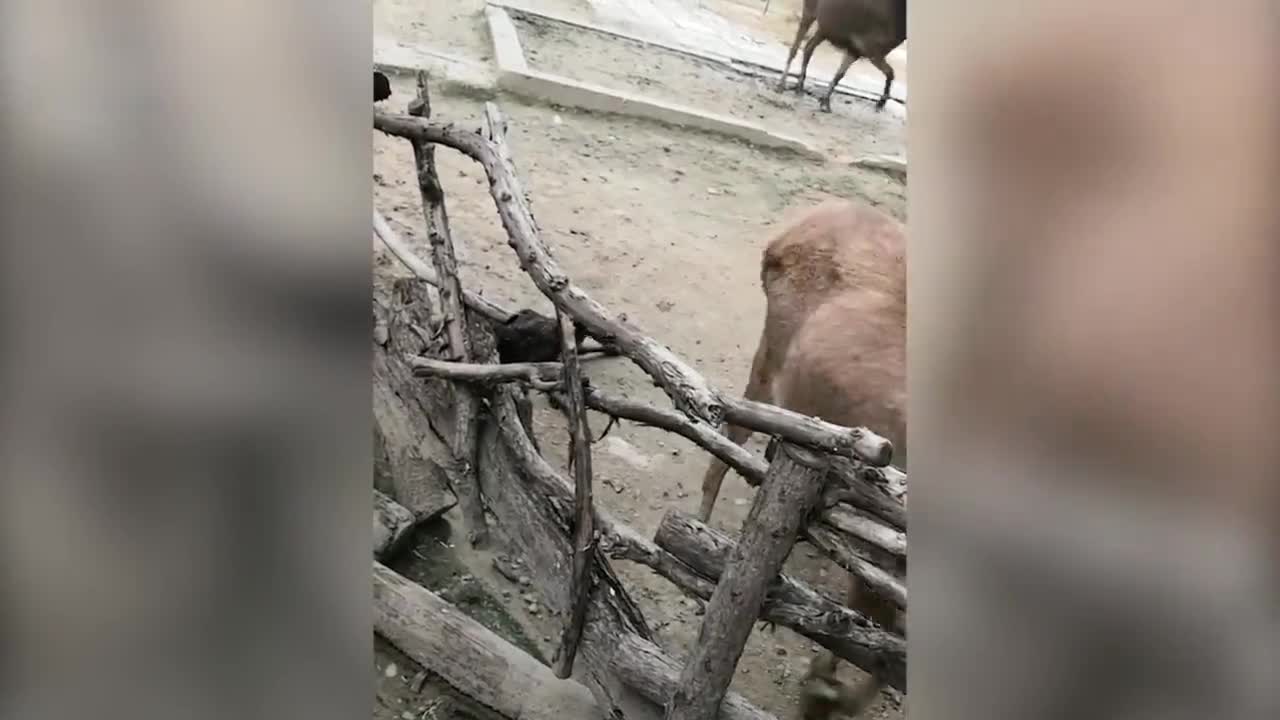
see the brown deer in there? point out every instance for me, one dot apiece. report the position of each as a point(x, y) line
point(860, 28)
point(833, 346)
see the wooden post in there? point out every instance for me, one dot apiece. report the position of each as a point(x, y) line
point(790, 491)
point(584, 541)
point(469, 656)
point(461, 467)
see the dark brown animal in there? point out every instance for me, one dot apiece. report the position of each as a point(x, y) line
point(834, 346)
point(868, 29)
point(529, 336)
point(381, 86)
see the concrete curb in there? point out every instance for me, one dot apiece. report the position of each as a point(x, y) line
point(447, 71)
point(515, 76)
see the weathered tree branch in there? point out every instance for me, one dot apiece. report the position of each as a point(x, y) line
point(469, 656)
point(790, 490)
point(863, 526)
point(584, 541)
point(461, 468)
point(853, 558)
point(542, 376)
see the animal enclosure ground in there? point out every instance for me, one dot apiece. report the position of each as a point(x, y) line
point(852, 128)
point(666, 226)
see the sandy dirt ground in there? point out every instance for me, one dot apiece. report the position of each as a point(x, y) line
point(664, 225)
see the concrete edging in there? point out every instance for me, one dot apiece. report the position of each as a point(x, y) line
point(515, 76)
point(445, 70)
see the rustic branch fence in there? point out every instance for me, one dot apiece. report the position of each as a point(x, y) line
point(462, 423)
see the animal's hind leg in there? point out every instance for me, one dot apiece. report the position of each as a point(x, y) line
point(825, 103)
point(806, 22)
point(757, 389)
point(887, 69)
point(824, 696)
point(809, 47)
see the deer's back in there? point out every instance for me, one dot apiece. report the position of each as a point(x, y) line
point(869, 27)
point(835, 329)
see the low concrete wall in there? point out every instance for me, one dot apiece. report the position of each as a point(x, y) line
point(571, 93)
point(446, 71)
point(515, 76)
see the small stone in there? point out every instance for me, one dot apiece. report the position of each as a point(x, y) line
point(524, 581)
point(390, 670)
point(556, 119)
point(713, 191)
point(406, 715)
point(782, 652)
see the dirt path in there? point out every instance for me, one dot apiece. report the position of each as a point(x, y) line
point(666, 226)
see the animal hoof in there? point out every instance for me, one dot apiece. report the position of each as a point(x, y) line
point(824, 105)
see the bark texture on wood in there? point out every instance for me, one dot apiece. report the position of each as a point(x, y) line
point(869, 488)
point(542, 376)
point(790, 490)
point(534, 506)
point(391, 523)
point(854, 559)
point(461, 467)
point(412, 415)
point(469, 656)
point(792, 603)
point(862, 526)
point(654, 675)
point(584, 540)
point(400, 470)
point(811, 432)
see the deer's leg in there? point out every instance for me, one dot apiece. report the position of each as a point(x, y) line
point(849, 57)
point(852, 701)
point(887, 69)
point(806, 21)
point(809, 47)
point(758, 389)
